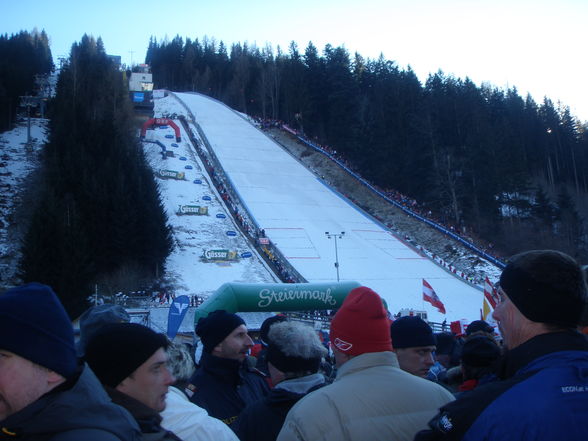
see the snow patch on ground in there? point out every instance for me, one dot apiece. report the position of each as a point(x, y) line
point(17, 161)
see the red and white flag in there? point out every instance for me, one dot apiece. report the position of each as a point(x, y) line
point(429, 295)
point(490, 293)
point(490, 301)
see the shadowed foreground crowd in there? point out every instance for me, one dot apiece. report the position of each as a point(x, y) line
point(377, 380)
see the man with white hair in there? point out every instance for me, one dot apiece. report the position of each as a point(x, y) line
point(294, 354)
point(371, 397)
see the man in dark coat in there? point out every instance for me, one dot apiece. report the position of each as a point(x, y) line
point(44, 392)
point(542, 395)
point(131, 362)
point(224, 384)
point(294, 354)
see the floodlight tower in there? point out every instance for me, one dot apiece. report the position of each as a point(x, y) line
point(336, 236)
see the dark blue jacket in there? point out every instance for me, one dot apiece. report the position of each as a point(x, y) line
point(263, 420)
point(543, 396)
point(78, 409)
point(224, 387)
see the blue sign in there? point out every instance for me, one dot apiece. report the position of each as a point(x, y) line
point(206, 198)
point(173, 144)
point(138, 97)
point(231, 233)
point(177, 312)
point(189, 167)
point(169, 136)
point(246, 254)
point(197, 181)
point(221, 215)
point(183, 158)
point(163, 127)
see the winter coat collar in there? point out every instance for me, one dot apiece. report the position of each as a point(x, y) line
point(148, 419)
point(539, 346)
point(78, 404)
point(226, 370)
point(301, 385)
point(367, 360)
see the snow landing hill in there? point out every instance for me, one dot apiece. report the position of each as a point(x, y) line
point(295, 208)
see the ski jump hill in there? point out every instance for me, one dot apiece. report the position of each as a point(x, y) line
point(296, 209)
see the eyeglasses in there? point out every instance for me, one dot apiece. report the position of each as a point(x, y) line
point(500, 291)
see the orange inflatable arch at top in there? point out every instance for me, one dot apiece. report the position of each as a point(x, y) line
point(160, 122)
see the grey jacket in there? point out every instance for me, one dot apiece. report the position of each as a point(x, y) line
point(78, 409)
point(371, 399)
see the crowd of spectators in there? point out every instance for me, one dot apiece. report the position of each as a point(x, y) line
point(376, 379)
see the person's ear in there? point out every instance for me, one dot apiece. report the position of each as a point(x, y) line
point(123, 385)
point(53, 378)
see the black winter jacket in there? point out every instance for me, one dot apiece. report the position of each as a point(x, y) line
point(148, 419)
point(224, 387)
point(263, 420)
point(78, 409)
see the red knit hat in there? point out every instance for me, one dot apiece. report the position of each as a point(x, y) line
point(361, 325)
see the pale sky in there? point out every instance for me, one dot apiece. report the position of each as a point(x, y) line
point(538, 46)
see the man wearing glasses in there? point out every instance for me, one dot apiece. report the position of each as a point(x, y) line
point(543, 392)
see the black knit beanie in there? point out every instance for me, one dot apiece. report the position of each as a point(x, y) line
point(555, 293)
point(215, 327)
point(479, 351)
point(35, 326)
point(479, 325)
point(267, 324)
point(411, 332)
point(118, 349)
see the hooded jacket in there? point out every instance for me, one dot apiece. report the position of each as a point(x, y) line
point(262, 420)
point(78, 409)
point(223, 387)
point(543, 395)
point(371, 399)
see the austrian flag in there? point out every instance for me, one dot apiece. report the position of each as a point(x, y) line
point(429, 295)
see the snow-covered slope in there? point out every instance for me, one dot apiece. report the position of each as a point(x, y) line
point(195, 234)
point(296, 209)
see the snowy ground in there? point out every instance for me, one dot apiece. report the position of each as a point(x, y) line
point(195, 234)
point(17, 161)
point(296, 209)
point(449, 253)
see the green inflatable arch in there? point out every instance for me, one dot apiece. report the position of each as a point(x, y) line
point(255, 297)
